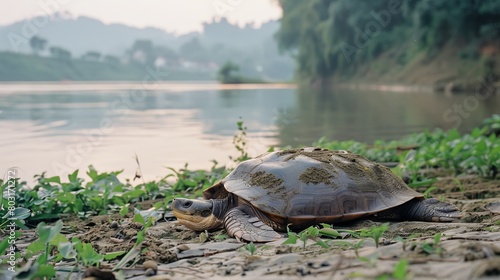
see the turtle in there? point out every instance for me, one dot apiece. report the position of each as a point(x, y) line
point(302, 187)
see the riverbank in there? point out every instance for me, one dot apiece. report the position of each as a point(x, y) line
point(493, 88)
point(447, 71)
point(125, 229)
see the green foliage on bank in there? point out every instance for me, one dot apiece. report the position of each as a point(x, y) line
point(229, 74)
point(477, 152)
point(22, 67)
point(329, 37)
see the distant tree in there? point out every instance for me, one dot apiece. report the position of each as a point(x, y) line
point(193, 50)
point(37, 44)
point(111, 59)
point(92, 55)
point(143, 51)
point(166, 52)
point(227, 73)
point(59, 53)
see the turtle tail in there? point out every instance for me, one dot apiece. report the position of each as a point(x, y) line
point(429, 210)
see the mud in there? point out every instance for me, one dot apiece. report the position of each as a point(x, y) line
point(468, 249)
point(314, 175)
point(322, 155)
point(265, 180)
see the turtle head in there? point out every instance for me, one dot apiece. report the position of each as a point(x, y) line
point(196, 214)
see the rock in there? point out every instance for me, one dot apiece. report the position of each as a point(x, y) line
point(150, 272)
point(182, 247)
point(493, 207)
point(150, 264)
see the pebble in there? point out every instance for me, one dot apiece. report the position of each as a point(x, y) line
point(114, 225)
point(182, 247)
point(150, 265)
point(150, 272)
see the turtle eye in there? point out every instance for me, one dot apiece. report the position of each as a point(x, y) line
point(187, 203)
point(206, 213)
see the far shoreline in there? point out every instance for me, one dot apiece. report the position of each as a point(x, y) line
point(38, 86)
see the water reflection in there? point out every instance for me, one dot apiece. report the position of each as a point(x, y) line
point(367, 116)
point(62, 131)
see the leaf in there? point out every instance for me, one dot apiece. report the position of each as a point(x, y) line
point(312, 231)
point(19, 213)
point(150, 213)
point(457, 148)
point(422, 183)
point(124, 210)
point(92, 173)
point(37, 271)
point(292, 239)
point(481, 147)
point(113, 255)
point(89, 256)
point(55, 179)
point(203, 237)
point(139, 219)
point(428, 191)
point(140, 237)
point(130, 256)
point(47, 233)
point(66, 198)
point(401, 270)
point(67, 250)
point(59, 238)
point(437, 238)
point(428, 248)
point(132, 194)
point(326, 225)
point(322, 243)
point(4, 244)
point(34, 248)
point(73, 177)
point(330, 232)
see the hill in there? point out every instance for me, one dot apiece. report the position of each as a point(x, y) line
point(253, 49)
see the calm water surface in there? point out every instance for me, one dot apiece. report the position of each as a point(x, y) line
point(59, 131)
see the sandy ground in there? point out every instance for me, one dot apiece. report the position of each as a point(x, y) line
point(468, 249)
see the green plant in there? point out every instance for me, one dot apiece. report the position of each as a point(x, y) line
point(355, 246)
point(459, 184)
point(374, 232)
point(431, 248)
point(250, 247)
point(400, 271)
point(313, 233)
point(427, 192)
point(404, 241)
point(104, 193)
point(240, 142)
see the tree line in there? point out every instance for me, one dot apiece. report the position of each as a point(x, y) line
point(328, 36)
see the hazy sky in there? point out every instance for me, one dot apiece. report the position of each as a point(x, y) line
point(180, 16)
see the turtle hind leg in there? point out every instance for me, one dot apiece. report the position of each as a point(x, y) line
point(429, 210)
point(242, 224)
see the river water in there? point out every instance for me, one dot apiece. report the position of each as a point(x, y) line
point(63, 127)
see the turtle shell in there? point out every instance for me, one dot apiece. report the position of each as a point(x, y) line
point(312, 185)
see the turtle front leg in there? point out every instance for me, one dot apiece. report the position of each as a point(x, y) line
point(244, 224)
